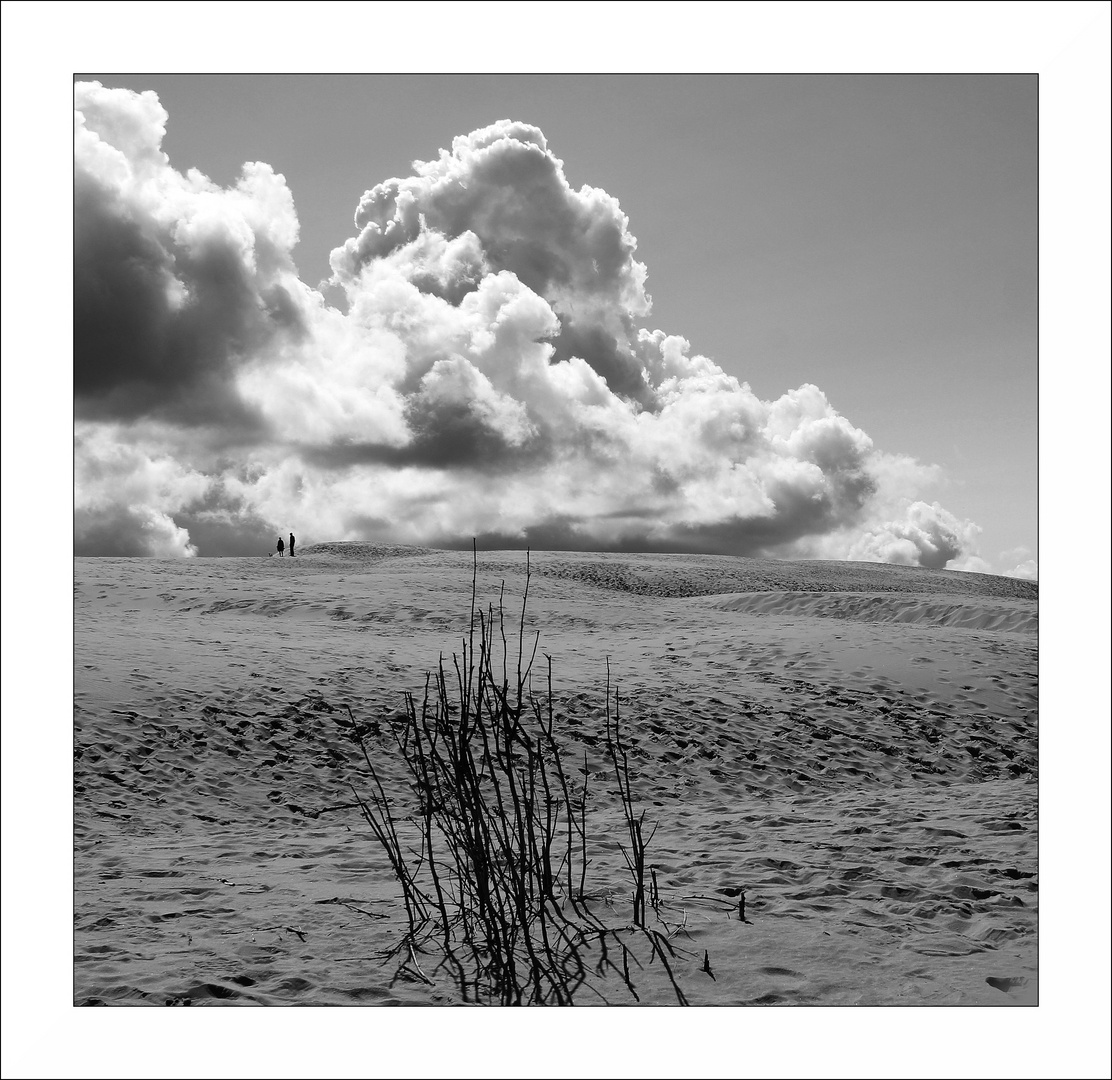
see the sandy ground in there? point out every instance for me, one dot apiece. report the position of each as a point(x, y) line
point(854, 746)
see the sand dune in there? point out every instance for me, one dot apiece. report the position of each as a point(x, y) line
point(854, 746)
point(971, 613)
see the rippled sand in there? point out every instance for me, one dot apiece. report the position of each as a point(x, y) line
point(853, 746)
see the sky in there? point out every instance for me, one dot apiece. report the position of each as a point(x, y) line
point(815, 336)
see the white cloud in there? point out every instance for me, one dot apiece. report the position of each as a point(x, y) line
point(488, 378)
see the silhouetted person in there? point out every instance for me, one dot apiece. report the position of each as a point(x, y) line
point(292, 538)
point(281, 547)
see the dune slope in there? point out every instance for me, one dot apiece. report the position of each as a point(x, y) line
point(853, 747)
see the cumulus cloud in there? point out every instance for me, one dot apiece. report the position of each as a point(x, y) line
point(502, 185)
point(175, 280)
point(1023, 564)
point(492, 375)
point(125, 497)
point(925, 535)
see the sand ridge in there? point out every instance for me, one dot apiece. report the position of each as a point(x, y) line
point(861, 762)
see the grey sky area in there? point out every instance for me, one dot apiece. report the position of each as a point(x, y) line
point(875, 235)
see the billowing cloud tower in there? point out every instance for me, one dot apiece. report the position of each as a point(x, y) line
point(492, 376)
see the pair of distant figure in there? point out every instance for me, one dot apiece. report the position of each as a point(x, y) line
point(282, 546)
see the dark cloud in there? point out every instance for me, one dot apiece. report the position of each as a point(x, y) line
point(796, 515)
point(449, 435)
point(445, 436)
point(134, 353)
point(125, 532)
point(158, 330)
point(174, 284)
point(608, 356)
point(557, 533)
point(122, 279)
point(240, 535)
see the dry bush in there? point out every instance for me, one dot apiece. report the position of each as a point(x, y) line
point(490, 846)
